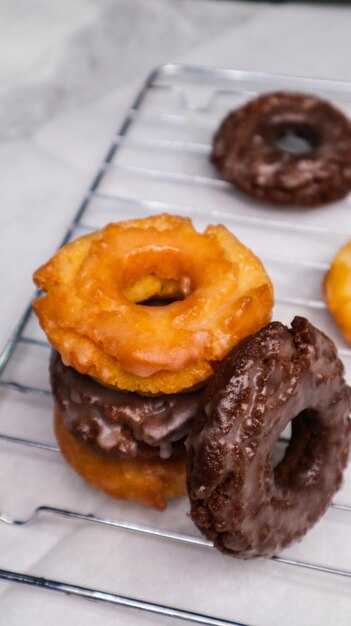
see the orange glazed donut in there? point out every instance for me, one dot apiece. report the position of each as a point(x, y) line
point(337, 289)
point(94, 316)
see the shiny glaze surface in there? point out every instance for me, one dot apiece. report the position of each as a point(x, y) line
point(238, 498)
point(119, 424)
point(246, 150)
point(94, 284)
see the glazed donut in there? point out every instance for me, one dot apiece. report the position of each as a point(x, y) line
point(337, 289)
point(238, 499)
point(118, 424)
point(93, 312)
point(248, 150)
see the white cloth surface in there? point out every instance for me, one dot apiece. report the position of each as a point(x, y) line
point(44, 176)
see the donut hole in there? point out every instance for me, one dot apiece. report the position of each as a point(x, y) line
point(157, 301)
point(159, 279)
point(156, 291)
point(280, 446)
point(300, 464)
point(296, 139)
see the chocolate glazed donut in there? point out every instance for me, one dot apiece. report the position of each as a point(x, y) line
point(249, 150)
point(238, 499)
point(120, 424)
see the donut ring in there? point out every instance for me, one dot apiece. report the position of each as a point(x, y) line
point(147, 481)
point(237, 499)
point(246, 150)
point(121, 424)
point(90, 318)
point(337, 289)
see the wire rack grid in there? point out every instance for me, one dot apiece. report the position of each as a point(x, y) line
point(158, 163)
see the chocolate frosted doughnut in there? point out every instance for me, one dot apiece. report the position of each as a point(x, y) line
point(238, 499)
point(119, 424)
point(249, 150)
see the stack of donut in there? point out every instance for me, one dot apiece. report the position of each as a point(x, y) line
point(163, 362)
point(138, 314)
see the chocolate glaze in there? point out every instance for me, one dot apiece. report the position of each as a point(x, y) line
point(238, 499)
point(119, 424)
point(246, 152)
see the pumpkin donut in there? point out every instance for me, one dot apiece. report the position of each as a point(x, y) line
point(337, 289)
point(94, 313)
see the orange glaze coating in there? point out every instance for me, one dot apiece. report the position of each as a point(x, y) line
point(337, 289)
point(149, 482)
point(91, 315)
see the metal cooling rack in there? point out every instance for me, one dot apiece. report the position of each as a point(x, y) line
point(160, 150)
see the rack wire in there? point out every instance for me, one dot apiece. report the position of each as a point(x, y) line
point(214, 91)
